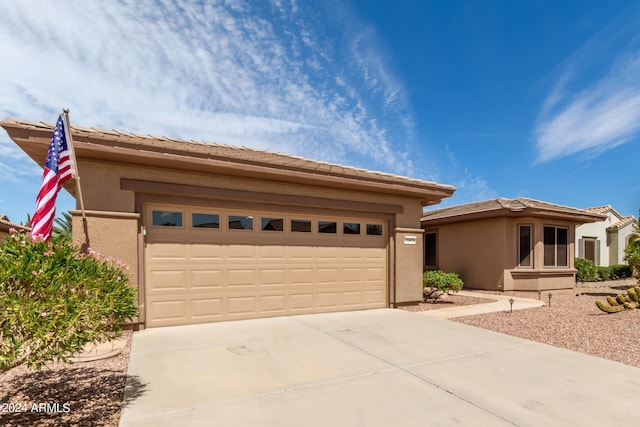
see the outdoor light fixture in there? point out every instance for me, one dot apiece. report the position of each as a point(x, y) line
point(550, 295)
point(511, 301)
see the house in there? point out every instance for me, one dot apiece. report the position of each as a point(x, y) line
point(6, 225)
point(213, 232)
point(603, 242)
point(505, 244)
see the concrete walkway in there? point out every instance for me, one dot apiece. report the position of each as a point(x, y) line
point(375, 368)
point(499, 303)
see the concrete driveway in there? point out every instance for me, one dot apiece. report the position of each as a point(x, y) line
point(367, 368)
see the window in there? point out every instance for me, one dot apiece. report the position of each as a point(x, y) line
point(301, 225)
point(327, 227)
point(205, 220)
point(430, 249)
point(350, 228)
point(237, 222)
point(272, 224)
point(166, 219)
point(374, 229)
point(524, 245)
point(556, 244)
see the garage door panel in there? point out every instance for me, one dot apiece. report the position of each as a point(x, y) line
point(167, 251)
point(241, 305)
point(206, 253)
point(328, 299)
point(205, 275)
point(327, 276)
point(272, 304)
point(241, 278)
point(301, 276)
point(241, 252)
point(211, 279)
point(352, 298)
point(207, 308)
point(172, 311)
point(273, 277)
point(164, 280)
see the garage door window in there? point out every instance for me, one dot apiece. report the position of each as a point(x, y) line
point(237, 222)
point(327, 227)
point(272, 224)
point(374, 229)
point(166, 219)
point(350, 228)
point(205, 220)
point(301, 225)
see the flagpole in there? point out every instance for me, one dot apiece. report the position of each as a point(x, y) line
point(65, 113)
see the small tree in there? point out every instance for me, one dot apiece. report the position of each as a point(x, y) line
point(437, 283)
point(55, 300)
point(62, 227)
point(632, 251)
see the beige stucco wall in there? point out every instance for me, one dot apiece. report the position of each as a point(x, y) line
point(485, 254)
point(110, 234)
point(474, 250)
point(409, 246)
point(107, 176)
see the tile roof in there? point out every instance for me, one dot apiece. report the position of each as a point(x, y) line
point(235, 154)
point(6, 224)
point(622, 223)
point(501, 207)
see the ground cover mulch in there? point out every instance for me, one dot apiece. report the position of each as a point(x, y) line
point(76, 394)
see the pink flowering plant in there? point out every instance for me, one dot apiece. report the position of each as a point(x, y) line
point(54, 300)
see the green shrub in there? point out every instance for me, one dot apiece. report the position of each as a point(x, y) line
point(605, 273)
point(621, 271)
point(437, 283)
point(55, 300)
point(587, 271)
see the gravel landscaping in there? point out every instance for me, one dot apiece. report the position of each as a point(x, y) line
point(90, 393)
point(80, 394)
point(573, 322)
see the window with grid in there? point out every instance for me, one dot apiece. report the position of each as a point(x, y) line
point(556, 246)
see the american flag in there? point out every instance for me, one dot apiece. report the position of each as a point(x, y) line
point(58, 169)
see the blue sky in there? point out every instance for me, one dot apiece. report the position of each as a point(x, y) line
point(513, 98)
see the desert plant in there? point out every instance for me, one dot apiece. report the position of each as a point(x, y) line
point(437, 283)
point(587, 271)
point(55, 300)
point(621, 302)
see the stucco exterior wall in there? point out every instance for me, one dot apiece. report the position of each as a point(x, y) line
point(409, 245)
point(474, 250)
point(485, 254)
point(623, 242)
point(597, 230)
point(110, 234)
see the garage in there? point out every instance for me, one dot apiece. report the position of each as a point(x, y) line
point(213, 232)
point(207, 264)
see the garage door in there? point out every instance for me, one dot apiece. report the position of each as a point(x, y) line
point(206, 265)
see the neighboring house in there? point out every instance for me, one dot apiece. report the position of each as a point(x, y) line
point(603, 242)
point(6, 225)
point(213, 232)
point(505, 244)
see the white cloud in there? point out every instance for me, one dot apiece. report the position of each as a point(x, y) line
point(587, 114)
point(241, 73)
